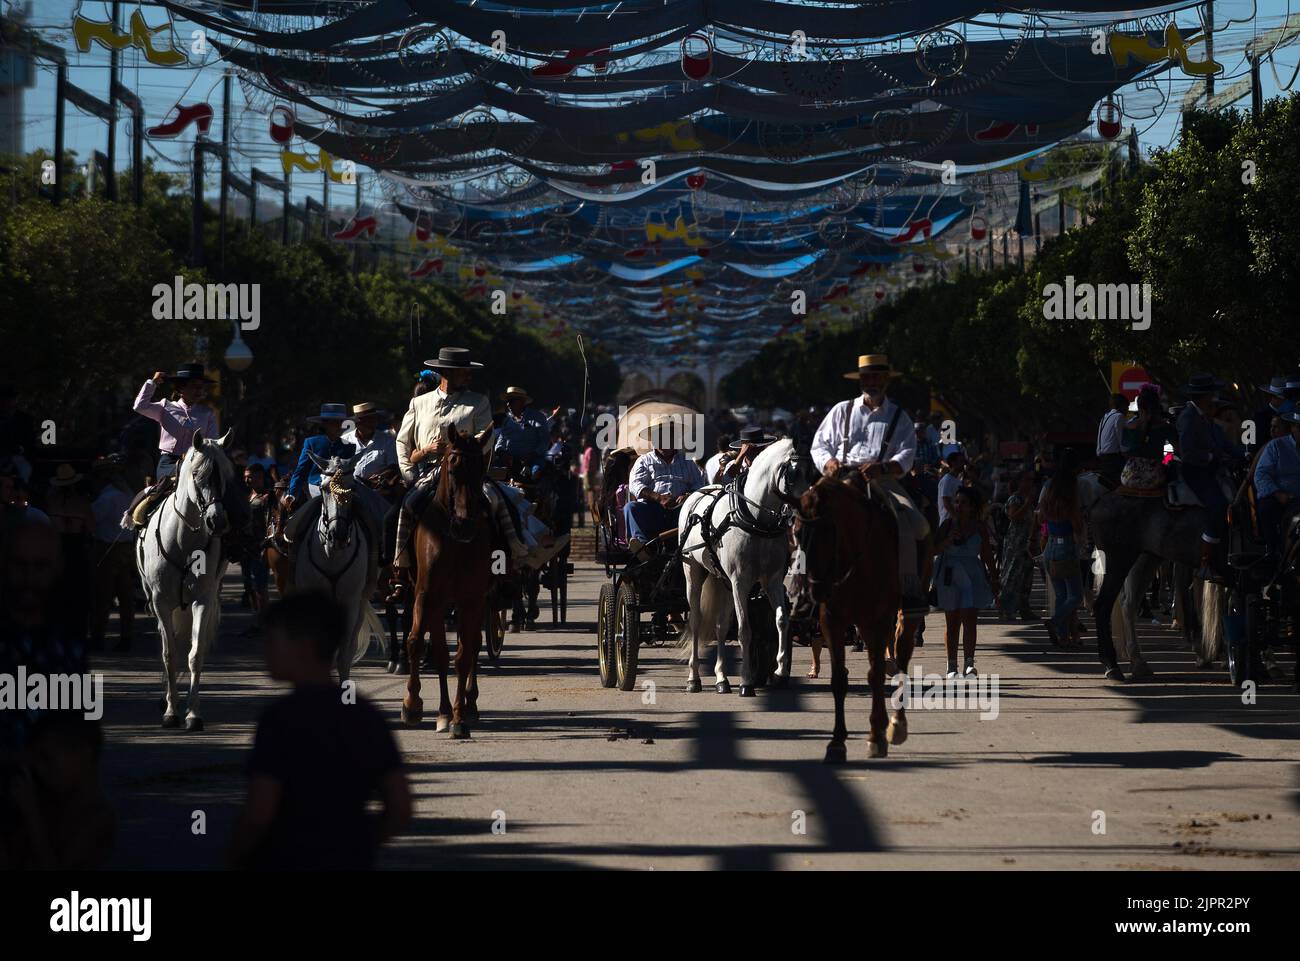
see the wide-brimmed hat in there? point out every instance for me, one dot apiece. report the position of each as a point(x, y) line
point(949, 451)
point(518, 392)
point(453, 358)
point(65, 475)
point(281, 484)
point(1291, 416)
point(187, 372)
point(873, 362)
point(1276, 386)
point(330, 412)
point(1292, 383)
point(659, 422)
point(754, 437)
point(1203, 384)
point(366, 407)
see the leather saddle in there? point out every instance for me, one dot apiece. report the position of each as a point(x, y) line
point(1179, 496)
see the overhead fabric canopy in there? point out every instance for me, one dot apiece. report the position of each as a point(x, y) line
point(684, 180)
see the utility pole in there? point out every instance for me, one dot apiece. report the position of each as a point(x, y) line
point(225, 166)
point(60, 99)
point(112, 110)
point(1209, 51)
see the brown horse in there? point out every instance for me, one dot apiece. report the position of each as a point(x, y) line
point(277, 561)
point(453, 558)
point(848, 536)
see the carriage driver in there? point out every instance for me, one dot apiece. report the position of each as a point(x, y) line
point(875, 435)
point(659, 483)
point(421, 444)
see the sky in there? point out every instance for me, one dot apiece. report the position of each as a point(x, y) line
point(162, 87)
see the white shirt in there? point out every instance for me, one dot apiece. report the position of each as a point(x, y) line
point(374, 456)
point(1108, 435)
point(430, 413)
point(108, 509)
point(678, 476)
point(949, 484)
point(867, 429)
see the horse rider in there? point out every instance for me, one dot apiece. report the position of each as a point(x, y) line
point(1277, 482)
point(748, 445)
point(305, 485)
point(1277, 405)
point(1202, 451)
point(524, 434)
point(421, 443)
point(376, 450)
point(179, 418)
point(874, 435)
point(659, 483)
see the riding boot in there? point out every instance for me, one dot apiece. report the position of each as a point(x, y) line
point(401, 581)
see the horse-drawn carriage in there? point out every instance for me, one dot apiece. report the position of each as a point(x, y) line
point(1263, 604)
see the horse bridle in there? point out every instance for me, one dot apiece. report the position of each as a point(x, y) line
point(199, 500)
point(343, 497)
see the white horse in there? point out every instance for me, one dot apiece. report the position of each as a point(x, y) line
point(751, 549)
point(334, 560)
point(179, 557)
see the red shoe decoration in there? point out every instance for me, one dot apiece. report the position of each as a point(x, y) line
point(563, 68)
point(200, 113)
point(358, 225)
point(695, 181)
point(281, 123)
point(427, 266)
point(697, 66)
point(913, 228)
point(997, 130)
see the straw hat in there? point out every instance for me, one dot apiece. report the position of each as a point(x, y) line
point(873, 362)
point(65, 476)
point(518, 392)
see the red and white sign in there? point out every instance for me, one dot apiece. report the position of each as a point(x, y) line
point(1131, 381)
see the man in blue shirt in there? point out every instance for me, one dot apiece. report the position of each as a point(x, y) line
point(1277, 481)
point(305, 481)
point(524, 436)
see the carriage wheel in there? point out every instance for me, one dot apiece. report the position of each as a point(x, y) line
point(605, 635)
point(494, 632)
point(552, 575)
point(626, 636)
point(564, 593)
point(1240, 643)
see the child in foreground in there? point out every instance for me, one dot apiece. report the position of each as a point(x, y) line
point(320, 755)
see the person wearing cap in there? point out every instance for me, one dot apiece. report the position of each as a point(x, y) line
point(659, 483)
point(747, 446)
point(180, 417)
point(305, 480)
point(1277, 482)
point(1109, 454)
point(874, 435)
point(1277, 405)
point(524, 434)
point(376, 449)
point(113, 555)
point(1202, 450)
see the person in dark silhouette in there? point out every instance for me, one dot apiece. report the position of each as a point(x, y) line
point(320, 754)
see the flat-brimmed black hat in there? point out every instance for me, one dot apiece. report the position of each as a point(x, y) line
point(186, 372)
point(1276, 386)
point(1291, 416)
point(754, 437)
point(1203, 384)
point(453, 358)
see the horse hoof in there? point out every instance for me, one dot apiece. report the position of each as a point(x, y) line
point(194, 724)
point(877, 749)
point(412, 715)
point(444, 722)
point(403, 667)
point(897, 732)
point(460, 730)
point(471, 712)
point(693, 686)
point(171, 720)
point(746, 690)
point(836, 753)
point(392, 667)
point(724, 687)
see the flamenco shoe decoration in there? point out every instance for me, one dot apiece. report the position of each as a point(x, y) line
point(695, 181)
point(696, 64)
point(1123, 46)
point(199, 113)
point(913, 228)
point(996, 131)
point(566, 66)
point(1109, 119)
point(281, 123)
point(140, 35)
point(291, 160)
point(979, 227)
point(427, 266)
point(356, 227)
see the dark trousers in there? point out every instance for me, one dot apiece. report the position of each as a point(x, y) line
point(1273, 518)
point(1110, 467)
point(114, 578)
point(1204, 482)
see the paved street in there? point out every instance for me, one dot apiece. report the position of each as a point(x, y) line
point(1186, 776)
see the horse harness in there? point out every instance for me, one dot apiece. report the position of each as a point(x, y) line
point(743, 513)
point(178, 566)
point(339, 492)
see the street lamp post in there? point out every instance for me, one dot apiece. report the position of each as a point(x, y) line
point(238, 359)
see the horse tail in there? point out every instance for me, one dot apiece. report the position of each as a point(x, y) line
point(714, 598)
point(371, 631)
point(1211, 646)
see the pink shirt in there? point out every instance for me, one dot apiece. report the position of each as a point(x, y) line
point(178, 420)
